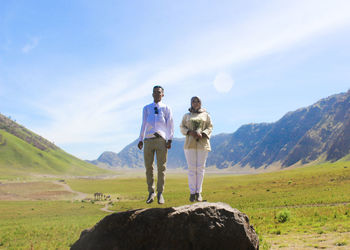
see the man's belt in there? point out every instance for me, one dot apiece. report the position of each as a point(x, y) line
point(156, 135)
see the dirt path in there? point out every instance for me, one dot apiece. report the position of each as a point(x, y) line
point(80, 195)
point(105, 209)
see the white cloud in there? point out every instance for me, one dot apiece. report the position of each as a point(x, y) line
point(33, 43)
point(223, 82)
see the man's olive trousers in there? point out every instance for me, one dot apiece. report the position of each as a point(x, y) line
point(155, 145)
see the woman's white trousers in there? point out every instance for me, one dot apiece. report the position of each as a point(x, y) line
point(196, 167)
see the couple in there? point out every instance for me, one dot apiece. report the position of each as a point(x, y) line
point(156, 135)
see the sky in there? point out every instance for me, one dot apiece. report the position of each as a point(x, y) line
point(78, 72)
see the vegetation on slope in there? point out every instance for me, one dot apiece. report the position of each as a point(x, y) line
point(26, 135)
point(23, 152)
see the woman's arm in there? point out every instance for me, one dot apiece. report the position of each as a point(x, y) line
point(183, 127)
point(208, 127)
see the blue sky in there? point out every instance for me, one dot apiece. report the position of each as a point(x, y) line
point(78, 72)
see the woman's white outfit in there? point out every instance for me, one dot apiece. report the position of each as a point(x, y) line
point(196, 159)
point(196, 150)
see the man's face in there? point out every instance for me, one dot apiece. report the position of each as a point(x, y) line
point(157, 94)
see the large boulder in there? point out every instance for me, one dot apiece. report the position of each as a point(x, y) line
point(199, 226)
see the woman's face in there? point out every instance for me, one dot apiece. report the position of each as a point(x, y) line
point(196, 104)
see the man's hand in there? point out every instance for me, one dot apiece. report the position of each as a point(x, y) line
point(168, 144)
point(140, 145)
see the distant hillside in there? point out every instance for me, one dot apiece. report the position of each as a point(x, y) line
point(132, 157)
point(23, 152)
point(320, 132)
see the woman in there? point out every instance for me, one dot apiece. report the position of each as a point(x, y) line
point(197, 127)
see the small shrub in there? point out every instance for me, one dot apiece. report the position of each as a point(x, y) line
point(341, 243)
point(265, 245)
point(275, 231)
point(283, 216)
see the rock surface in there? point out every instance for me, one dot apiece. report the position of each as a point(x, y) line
point(198, 226)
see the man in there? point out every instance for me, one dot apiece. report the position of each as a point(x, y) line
point(156, 133)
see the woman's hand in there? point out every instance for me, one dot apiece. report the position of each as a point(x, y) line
point(198, 135)
point(204, 135)
point(190, 132)
point(195, 134)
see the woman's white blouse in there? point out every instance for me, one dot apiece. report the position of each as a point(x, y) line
point(200, 122)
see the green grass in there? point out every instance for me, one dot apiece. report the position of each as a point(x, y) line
point(315, 199)
point(18, 159)
point(322, 184)
point(44, 224)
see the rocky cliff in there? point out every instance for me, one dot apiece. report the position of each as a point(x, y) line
point(317, 132)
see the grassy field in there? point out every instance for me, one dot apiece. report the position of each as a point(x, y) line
point(44, 224)
point(306, 207)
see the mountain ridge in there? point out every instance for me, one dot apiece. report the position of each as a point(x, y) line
point(320, 131)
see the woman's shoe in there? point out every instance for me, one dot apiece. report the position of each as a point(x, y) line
point(199, 197)
point(192, 197)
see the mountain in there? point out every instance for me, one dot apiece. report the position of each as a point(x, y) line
point(23, 152)
point(229, 150)
point(132, 157)
point(319, 132)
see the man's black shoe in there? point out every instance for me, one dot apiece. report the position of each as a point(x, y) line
point(160, 198)
point(150, 198)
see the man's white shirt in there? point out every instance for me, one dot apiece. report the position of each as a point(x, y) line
point(157, 118)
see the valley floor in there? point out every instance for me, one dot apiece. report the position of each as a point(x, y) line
point(50, 213)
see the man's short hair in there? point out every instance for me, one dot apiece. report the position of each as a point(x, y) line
point(158, 87)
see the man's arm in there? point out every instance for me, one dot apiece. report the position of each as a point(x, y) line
point(170, 128)
point(142, 132)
